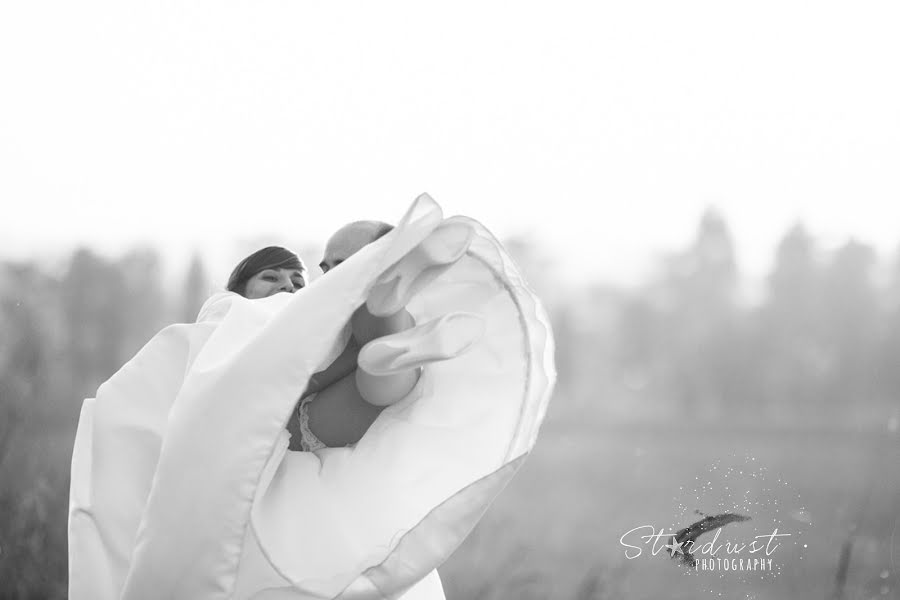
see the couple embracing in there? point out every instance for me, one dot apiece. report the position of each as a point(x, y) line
point(338, 441)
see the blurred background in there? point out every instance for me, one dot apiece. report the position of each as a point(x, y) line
point(704, 196)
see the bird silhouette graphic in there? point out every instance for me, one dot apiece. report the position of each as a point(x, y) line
point(695, 530)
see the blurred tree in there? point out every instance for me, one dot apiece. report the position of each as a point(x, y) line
point(794, 284)
point(640, 337)
point(95, 314)
point(24, 352)
point(851, 317)
point(144, 310)
point(703, 339)
point(195, 291)
point(34, 437)
point(789, 328)
point(31, 343)
point(888, 362)
point(708, 271)
point(643, 364)
point(585, 326)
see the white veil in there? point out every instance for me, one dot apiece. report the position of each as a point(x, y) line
point(182, 484)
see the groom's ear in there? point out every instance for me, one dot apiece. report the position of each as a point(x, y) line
point(339, 248)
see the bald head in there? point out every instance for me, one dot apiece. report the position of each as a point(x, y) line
point(349, 239)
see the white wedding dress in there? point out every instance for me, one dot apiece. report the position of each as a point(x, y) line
point(183, 485)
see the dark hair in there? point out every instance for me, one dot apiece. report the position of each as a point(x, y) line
point(271, 257)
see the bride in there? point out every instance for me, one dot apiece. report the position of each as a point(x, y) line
point(183, 485)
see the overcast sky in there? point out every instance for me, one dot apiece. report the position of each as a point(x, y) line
point(604, 129)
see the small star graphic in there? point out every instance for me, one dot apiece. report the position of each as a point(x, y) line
point(674, 547)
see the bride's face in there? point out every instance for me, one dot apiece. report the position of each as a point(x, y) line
point(272, 281)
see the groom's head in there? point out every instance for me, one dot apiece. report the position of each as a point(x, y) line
point(349, 239)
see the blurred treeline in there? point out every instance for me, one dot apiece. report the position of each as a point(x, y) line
point(816, 344)
point(817, 347)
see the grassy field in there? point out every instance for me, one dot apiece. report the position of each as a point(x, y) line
point(554, 532)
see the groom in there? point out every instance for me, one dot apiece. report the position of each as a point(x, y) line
point(350, 239)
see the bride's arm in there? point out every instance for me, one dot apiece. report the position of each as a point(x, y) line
point(339, 416)
point(343, 410)
point(366, 327)
point(342, 366)
point(382, 390)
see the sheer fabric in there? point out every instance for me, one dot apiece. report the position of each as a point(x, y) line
point(183, 485)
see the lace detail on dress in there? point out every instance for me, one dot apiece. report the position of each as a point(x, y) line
point(308, 440)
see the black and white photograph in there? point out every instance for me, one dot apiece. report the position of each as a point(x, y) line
point(449, 301)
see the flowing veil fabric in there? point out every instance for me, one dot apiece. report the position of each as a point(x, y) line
point(182, 483)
